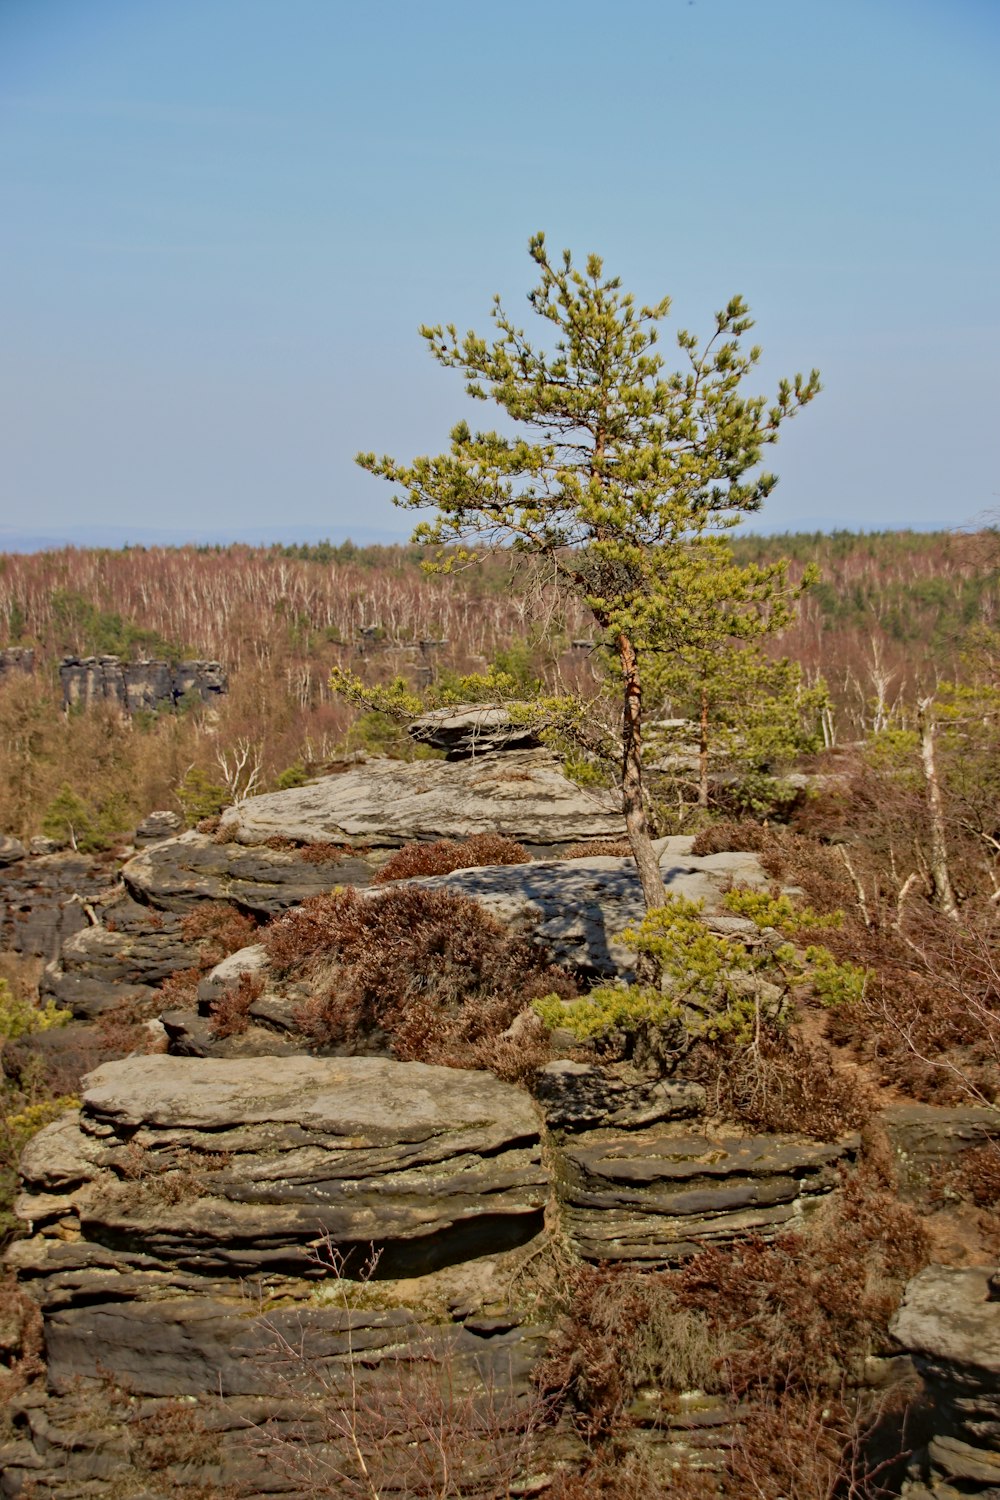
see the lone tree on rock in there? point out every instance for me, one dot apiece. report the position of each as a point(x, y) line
point(616, 468)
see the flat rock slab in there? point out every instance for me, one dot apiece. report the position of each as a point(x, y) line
point(194, 867)
point(578, 907)
point(522, 794)
point(244, 1164)
point(656, 1196)
point(946, 1318)
point(471, 729)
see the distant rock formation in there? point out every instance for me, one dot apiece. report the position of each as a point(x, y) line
point(137, 685)
point(16, 659)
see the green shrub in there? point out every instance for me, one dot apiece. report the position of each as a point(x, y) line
point(201, 797)
point(19, 1017)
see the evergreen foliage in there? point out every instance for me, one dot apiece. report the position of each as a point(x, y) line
point(615, 470)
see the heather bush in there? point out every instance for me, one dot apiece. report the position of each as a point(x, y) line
point(429, 975)
point(778, 1330)
point(444, 855)
point(231, 1012)
point(218, 929)
point(599, 848)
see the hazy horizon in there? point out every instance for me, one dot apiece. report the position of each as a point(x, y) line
point(223, 221)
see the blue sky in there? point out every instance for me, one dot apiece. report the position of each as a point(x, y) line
point(221, 222)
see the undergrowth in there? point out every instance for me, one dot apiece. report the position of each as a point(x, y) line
point(427, 975)
point(442, 856)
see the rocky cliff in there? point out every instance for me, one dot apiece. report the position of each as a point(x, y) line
point(135, 685)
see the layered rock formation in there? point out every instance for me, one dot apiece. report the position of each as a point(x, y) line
point(178, 872)
point(178, 1180)
point(949, 1321)
point(46, 899)
point(135, 685)
point(523, 794)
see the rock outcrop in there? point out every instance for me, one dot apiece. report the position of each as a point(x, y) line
point(471, 729)
point(523, 794)
point(45, 900)
point(178, 872)
point(179, 1184)
point(655, 1196)
point(950, 1326)
point(578, 907)
point(135, 685)
point(120, 960)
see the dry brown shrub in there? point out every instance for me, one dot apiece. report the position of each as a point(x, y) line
point(24, 1342)
point(976, 1175)
point(179, 991)
point(632, 1476)
point(781, 1083)
point(444, 855)
point(621, 1330)
point(817, 1447)
point(208, 825)
point(802, 1312)
point(123, 1033)
point(430, 972)
point(592, 848)
point(324, 853)
point(231, 1012)
point(218, 929)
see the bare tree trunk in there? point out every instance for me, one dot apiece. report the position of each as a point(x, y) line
point(635, 815)
point(703, 751)
point(940, 874)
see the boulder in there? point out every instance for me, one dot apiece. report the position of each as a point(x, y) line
point(471, 729)
point(950, 1326)
point(657, 1196)
point(178, 872)
point(522, 794)
point(157, 826)
point(578, 907)
point(11, 850)
point(239, 1165)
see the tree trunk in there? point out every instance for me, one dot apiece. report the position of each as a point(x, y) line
point(635, 815)
point(703, 752)
point(940, 874)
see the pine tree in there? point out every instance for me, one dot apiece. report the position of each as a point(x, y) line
point(613, 468)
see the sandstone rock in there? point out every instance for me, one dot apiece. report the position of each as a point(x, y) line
point(947, 1319)
point(521, 793)
point(471, 729)
point(656, 1196)
point(949, 1325)
point(185, 1178)
point(137, 946)
point(926, 1137)
point(11, 850)
point(578, 1096)
point(174, 874)
point(45, 900)
point(240, 1165)
point(128, 1342)
point(578, 907)
point(158, 826)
